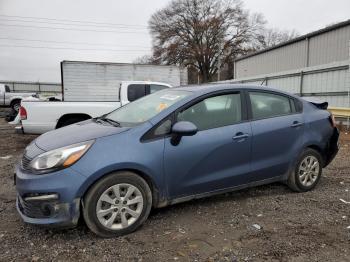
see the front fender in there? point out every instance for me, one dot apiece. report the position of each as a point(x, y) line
point(133, 167)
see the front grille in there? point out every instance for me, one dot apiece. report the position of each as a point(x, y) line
point(36, 209)
point(25, 162)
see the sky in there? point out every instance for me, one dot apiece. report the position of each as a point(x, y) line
point(35, 35)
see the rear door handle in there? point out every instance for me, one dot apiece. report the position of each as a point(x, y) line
point(240, 136)
point(296, 124)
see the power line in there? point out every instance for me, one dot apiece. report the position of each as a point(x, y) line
point(74, 29)
point(58, 23)
point(74, 21)
point(67, 42)
point(76, 49)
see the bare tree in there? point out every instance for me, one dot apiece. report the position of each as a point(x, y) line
point(146, 60)
point(273, 36)
point(204, 34)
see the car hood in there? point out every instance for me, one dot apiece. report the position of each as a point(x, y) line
point(76, 133)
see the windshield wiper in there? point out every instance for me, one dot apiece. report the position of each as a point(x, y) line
point(111, 121)
point(108, 120)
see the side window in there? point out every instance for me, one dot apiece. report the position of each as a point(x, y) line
point(265, 105)
point(160, 130)
point(155, 88)
point(163, 129)
point(214, 112)
point(7, 89)
point(136, 91)
point(298, 106)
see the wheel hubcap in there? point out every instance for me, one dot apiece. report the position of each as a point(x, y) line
point(119, 206)
point(16, 107)
point(309, 171)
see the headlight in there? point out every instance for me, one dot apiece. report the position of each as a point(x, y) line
point(61, 157)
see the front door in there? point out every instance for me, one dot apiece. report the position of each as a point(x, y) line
point(218, 156)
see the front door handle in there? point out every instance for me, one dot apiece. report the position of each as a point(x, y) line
point(296, 124)
point(240, 136)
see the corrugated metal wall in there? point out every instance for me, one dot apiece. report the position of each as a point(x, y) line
point(281, 59)
point(329, 47)
point(330, 82)
point(324, 48)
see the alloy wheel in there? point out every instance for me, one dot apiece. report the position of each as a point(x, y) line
point(308, 171)
point(119, 206)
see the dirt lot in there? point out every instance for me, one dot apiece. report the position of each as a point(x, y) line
point(294, 227)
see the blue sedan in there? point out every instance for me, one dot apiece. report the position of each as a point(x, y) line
point(172, 146)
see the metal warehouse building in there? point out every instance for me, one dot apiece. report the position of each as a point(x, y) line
point(316, 64)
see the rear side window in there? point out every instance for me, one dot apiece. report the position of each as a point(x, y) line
point(136, 91)
point(266, 105)
point(7, 89)
point(214, 112)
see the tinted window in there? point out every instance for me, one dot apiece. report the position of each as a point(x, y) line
point(136, 91)
point(155, 88)
point(7, 89)
point(265, 105)
point(214, 112)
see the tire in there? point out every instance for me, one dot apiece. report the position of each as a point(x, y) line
point(303, 178)
point(15, 105)
point(99, 198)
point(11, 115)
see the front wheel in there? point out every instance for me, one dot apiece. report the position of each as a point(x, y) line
point(307, 171)
point(117, 204)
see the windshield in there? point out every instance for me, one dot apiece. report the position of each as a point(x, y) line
point(146, 107)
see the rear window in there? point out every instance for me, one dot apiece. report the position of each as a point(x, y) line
point(136, 91)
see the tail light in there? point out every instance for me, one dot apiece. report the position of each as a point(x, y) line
point(22, 113)
point(332, 120)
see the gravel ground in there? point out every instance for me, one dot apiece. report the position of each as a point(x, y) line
point(267, 223)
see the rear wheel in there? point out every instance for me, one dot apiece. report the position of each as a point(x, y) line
point(15, 105)
point(307, 171)
point(117, 204)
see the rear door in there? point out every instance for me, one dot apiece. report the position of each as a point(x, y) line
point(277, 129)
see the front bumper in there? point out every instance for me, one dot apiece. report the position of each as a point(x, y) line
point(35, 203)
point(47, 213)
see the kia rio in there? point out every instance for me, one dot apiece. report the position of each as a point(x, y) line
point(169, 147)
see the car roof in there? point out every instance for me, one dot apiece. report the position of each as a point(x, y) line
point(208, 88)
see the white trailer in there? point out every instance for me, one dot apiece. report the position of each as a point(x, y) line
point(100, 82)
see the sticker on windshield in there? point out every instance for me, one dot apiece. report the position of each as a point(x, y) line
point(161, 107)
point(170, 97)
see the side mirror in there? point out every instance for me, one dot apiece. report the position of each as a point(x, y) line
point(180, 129)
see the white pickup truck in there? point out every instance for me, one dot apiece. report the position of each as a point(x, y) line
point(37, 117)
point(12, 99)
